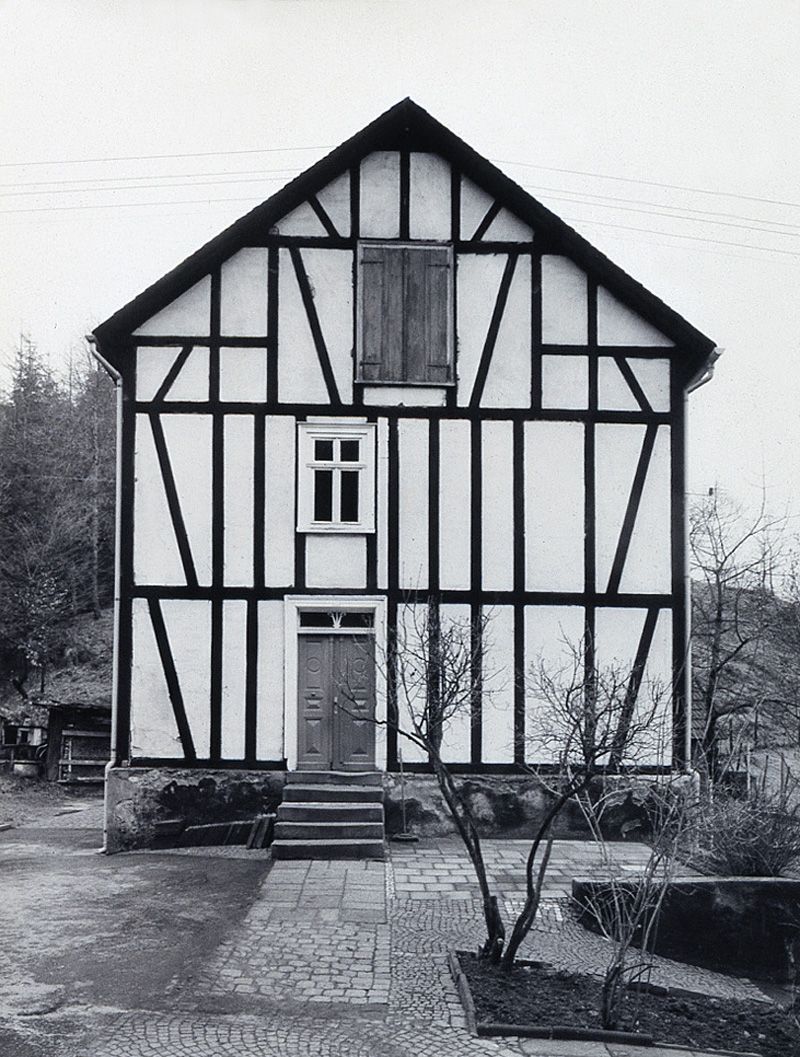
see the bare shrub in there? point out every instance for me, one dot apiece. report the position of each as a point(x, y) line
point(754, 836)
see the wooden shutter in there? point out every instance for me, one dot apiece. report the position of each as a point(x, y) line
point(439, 359)
point(405, 314)
point(381, 354)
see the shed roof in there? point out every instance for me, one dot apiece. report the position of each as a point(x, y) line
point(404, 126)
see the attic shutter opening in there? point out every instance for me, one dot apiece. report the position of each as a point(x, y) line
point(405, 317)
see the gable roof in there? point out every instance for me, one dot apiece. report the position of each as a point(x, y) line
point(407, 126)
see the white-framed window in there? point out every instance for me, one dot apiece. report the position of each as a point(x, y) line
point(336, 477)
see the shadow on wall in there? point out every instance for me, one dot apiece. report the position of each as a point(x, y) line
point(509, 806)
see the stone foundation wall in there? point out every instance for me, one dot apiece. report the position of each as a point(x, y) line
point(508, 805)
point(504, 805)
point(139, 797)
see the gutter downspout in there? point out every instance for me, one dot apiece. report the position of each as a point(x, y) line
point(703, 376)
point(117, 378)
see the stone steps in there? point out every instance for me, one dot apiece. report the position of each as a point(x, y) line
point(359, 778)
point(330, 849)
point(330, 815)
point(332, 811)
point(313, 829)
point(343, 794)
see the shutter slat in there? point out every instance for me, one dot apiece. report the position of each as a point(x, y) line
point(393, 316)
point(372, 332)
point(416, 316)
point(437, 338)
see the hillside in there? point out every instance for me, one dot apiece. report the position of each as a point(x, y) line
point(79, 672)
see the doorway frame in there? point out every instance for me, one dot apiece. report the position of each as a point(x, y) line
point(294, 605)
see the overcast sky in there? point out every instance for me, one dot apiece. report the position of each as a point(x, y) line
point(593, 105)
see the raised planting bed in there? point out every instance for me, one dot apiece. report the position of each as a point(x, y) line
point(749, 926)
point(535, 1000)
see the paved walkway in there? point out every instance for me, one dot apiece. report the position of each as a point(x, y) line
point(338, 958)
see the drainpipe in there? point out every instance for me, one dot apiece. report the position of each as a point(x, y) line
point(117, 378)
point(703, 376)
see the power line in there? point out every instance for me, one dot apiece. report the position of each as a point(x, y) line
point(650, 183)
point(150, 176)
point(281, 174)
point(130, 205)
point(657, 205)
point(677, 216)
point(158, 157)
point(673, 235)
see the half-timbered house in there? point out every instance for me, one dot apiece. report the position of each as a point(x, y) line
point(399, 380)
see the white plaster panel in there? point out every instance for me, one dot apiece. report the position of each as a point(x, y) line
point(617, 635)
point(497, 705)
point(301, 221)
point(506, 227)
point(648, 565)
point(413, 505)
point(457, 729)
point(564, 302)
point(411, 625)
point(234, 678)
point(382, 500)
point(153, 729)
point(565, 382)
point(478, 281)
point(300, 378)
point(188, 440)
point(330, 273)
point(429, 197)
point(188, 624)
point(380, 195)
point(280, 501)
point(554, 641)
point(454, 505)
point(613, 392)
point(618, 325)
point(188, 314)
point(497, 516)
point(152, 367)
point(475, 203)
point(156, 558)
point(335, 200)
point(653, 377)
point(243, 375)
point(404, 396)
point(508, 382)
point(243, 293)
point(270, 674)
point(617, 449)
point(191, 382)
point(238, 508)
point(336, 561)
point(554, 506)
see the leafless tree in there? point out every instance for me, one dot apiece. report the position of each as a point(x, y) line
point(735, 560)
point(627, 909)
point(430, 667)
point(591, 722)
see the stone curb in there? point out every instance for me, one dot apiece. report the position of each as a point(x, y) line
point(562, 1032)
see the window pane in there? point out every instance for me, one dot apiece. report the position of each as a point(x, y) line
point(357, 620)
point(323, 450)
point(349, 450)
point(349, 484)
point(323, 495)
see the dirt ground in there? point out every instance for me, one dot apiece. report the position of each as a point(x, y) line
point(82, 930)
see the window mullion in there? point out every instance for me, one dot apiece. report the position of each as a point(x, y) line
point(336, 513)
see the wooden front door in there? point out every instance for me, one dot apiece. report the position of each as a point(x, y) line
point(336, 702)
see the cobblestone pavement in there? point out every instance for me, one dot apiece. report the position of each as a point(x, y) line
point(340, 958)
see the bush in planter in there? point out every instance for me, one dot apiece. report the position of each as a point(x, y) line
point(757, 836)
